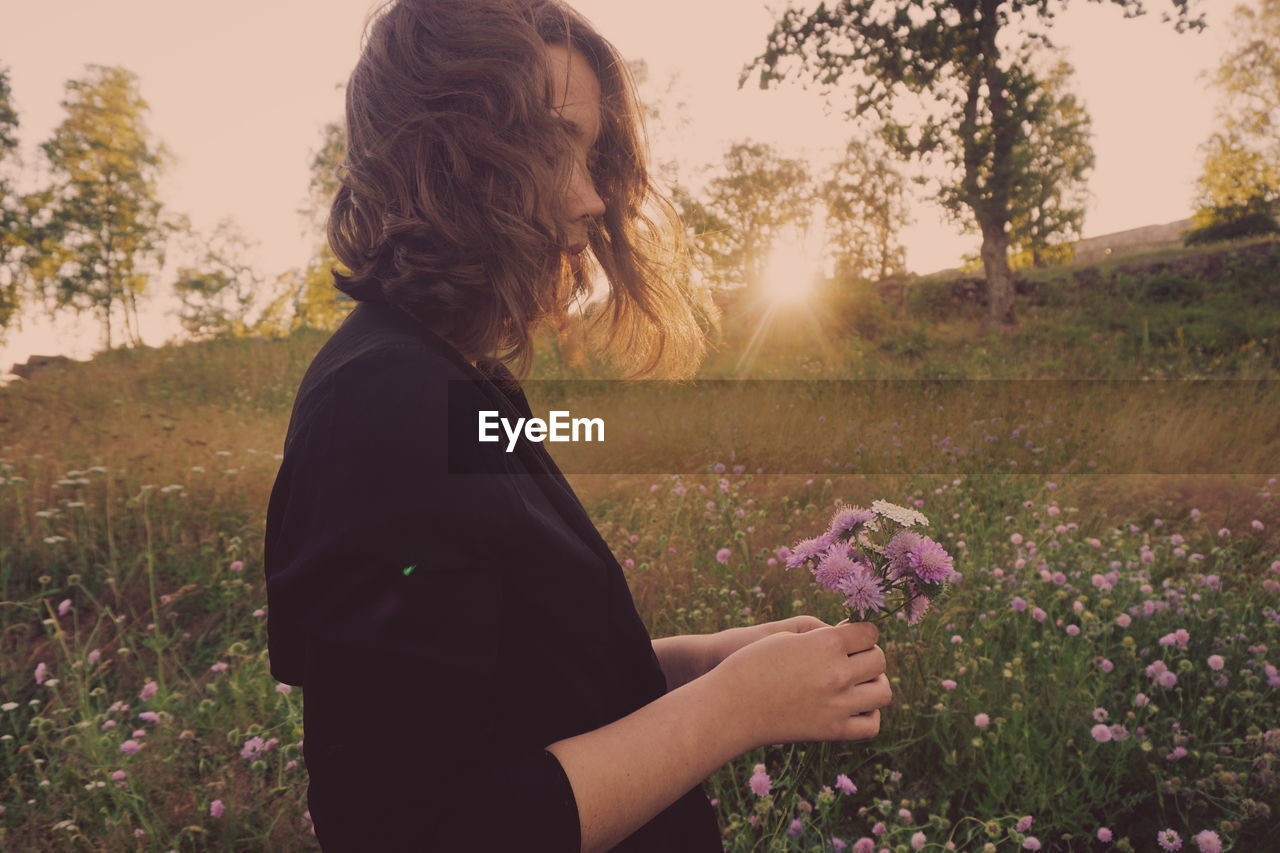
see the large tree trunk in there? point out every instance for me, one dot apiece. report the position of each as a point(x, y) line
point(995, 263)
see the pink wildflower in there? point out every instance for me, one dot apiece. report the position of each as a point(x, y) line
point(760, 783)
point(1208, 841)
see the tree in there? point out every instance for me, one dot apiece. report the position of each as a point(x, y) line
point(865, 199)
point(666, 115)
point(1240, 179)
point(756, 195)
point(102, 205)
point(1046, 207)
point(964, 58)
point(14, 226)
point(307, 297)
point(219, 292)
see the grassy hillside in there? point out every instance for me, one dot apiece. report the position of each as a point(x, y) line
point(137, 710)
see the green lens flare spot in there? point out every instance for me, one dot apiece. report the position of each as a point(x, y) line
point(410, 568)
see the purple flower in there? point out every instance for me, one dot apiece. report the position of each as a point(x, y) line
point(1031, 843)
point(722, 556)
point(1104, 834)
point(807, 549)
point(849, 518)
point(760, 783)
point(897, 552)
point(1208, 841)
point(796, 827)
point(252, 748)
point(917, 606)
point(130, 747)
point(216, 808)
point(1101, 733)
point(834, 567)
point(1025, 823)
point(929, 560)
point(845, 784)
point(1169, 839)
point(863, 592)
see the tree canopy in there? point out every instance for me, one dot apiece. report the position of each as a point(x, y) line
point(970, 66)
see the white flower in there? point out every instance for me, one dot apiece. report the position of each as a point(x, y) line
point(905, 516)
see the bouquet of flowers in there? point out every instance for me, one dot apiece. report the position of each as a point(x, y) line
point(904, 574)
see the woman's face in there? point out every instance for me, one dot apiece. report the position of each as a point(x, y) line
point(577, 100)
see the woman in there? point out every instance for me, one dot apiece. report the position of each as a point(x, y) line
point(475, 675)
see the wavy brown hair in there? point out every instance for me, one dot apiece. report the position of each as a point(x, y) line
point(451, 197)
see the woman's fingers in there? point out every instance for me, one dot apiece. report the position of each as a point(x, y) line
point(862, 726)
point(866, 665)
point(857, 636)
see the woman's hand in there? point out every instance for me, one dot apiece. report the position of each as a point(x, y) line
point(724, 643)
point(824, 684)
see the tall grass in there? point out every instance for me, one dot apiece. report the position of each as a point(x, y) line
point(138, 711)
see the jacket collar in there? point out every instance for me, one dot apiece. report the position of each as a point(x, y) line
point(498, 383)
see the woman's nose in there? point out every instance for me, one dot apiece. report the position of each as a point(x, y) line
point(585, 201)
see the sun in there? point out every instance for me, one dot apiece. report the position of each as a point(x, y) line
point(790, 275)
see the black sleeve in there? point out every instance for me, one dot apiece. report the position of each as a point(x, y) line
point(382, 570)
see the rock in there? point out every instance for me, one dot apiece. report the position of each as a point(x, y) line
point(39, 362)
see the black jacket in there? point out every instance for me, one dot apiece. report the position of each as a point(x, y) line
point(445, 627)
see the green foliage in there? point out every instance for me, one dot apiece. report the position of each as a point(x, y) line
point(757, 195)
point(105, 238)
point(990, 148)
point(218, 293)
point(865, 199)
point(1232, 224)
point(12, 211)
point(1046, 207)
point(1240, 181)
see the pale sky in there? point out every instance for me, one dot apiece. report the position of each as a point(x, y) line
point(240, 89)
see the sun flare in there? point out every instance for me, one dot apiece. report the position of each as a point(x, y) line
point(790, 275)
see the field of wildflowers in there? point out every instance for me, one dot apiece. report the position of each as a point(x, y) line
point(1101, 675)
